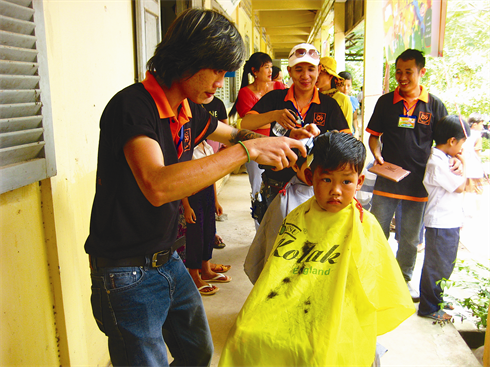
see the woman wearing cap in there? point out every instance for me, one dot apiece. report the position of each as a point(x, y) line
point(301, 109)
point(327, 82)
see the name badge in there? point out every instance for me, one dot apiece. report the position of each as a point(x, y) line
point(407, 122)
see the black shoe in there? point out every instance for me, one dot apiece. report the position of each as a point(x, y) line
point(218, 242)
point(413, 293)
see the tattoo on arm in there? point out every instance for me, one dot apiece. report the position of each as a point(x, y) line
point(242, 135)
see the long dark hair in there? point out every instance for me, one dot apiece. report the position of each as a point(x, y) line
point(255, 61)
point(197, 39)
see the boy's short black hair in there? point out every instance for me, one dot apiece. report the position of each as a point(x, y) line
point(334, 150)
point(449, 127)
point(198, 39)
point(346, 75)
point(411, 54)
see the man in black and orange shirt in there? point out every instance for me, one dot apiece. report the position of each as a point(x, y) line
point(143, 298)
point(301, 100)
point(401, 133)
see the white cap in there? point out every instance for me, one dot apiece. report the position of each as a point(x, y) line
point(306, 57)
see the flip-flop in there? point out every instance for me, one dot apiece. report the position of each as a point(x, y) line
point(209, 293)
point(438, 315)
point(448, 306)
point(220, 278)
point(220, 268)
point(218, 243)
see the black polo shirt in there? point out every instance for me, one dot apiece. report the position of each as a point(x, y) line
point(322, 110)
point(123, 222)
point(406, 147)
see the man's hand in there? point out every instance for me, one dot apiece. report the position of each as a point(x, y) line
point(285, 118)
point(375, 146)
point(304, 132)
point(275, 152)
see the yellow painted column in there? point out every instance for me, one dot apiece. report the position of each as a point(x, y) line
point(339, 35)
point(373, 61)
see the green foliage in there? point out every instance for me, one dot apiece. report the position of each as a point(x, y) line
point(461, 78)
point(485, 144)
point(356, 70)
point(474, 279)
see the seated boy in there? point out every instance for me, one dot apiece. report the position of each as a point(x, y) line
point(443, 214)
point(331, 284)
point(296, 192)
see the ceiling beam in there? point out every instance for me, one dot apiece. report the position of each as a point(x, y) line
point(259, 5)
point(286, 18)
point(320, 18)
point(283, 31)
point(288, 39)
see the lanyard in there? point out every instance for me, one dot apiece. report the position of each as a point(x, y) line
point(299, 113)
point(407, 109)
point(181, 137)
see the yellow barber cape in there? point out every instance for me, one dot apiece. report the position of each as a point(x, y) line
point(329, 287)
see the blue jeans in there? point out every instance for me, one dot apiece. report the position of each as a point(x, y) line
point(141, 309)
point(398, 219)
point(412, 214)
point(441, 249)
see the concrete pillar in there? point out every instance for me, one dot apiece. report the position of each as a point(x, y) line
point(317, 42)
point(373, 61)
point(325, 40)
point(339, 35)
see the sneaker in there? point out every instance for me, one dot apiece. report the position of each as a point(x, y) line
point(221, 218)
point(414, 293)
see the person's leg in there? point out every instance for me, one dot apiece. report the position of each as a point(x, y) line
point(208, 236)
point(384, 209)
point(194, 233)
point(412, 213)
point(186, 330)
point(196, 247)
point(130, 305)
point(398, 219)
point(441, 248)
point(208, 223)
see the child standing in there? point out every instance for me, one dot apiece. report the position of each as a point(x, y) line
point(331, 283)
point(443, 214)
point(199, 211)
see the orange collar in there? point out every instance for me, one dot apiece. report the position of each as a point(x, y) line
point(290, 97)
point(164, 109)
point(424, 95)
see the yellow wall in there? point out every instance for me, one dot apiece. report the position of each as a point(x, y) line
point(245, 28)
point(27, 331)
point(90, 57)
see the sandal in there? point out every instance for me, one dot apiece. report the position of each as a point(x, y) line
point(439, 315)
point(218, 243)
point(203, 291)
point(220, 268)
point(220, 278)
point(448, 306)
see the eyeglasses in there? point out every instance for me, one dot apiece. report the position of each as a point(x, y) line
point(300, 52)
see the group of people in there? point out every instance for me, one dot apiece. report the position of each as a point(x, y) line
point(327, 282)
